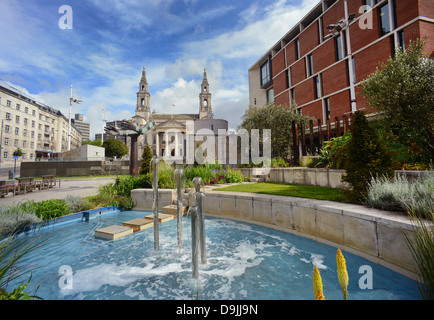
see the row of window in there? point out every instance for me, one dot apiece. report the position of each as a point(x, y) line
point(17, 142)
point(26, 110)
point(6, 155)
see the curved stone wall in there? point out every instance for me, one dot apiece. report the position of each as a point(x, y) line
point(372, 234)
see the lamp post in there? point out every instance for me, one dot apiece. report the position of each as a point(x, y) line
point(335, 30)
point(71, 100)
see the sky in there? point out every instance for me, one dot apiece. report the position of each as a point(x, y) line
point(103, 52)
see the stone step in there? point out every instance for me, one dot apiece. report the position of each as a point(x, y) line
point(139, 224)
point(113, 232)
point(173, 210)
point(162, 217)
point(252, 179)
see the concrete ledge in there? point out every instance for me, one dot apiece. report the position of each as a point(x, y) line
point(143, 198)
point(373, 234)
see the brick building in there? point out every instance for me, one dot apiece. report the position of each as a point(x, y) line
point(322, 70)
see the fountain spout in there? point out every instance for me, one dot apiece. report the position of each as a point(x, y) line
point(154, 161)
point(179, 204)
point(194, 242)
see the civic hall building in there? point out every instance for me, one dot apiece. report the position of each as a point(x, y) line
point(321, 62)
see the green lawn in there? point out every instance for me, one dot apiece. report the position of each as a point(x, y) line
point(293, 190)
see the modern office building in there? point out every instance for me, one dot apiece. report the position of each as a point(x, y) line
point(82, 126)
point(37, 129)
point(321, 62)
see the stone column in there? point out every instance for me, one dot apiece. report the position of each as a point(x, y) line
point(134, 158)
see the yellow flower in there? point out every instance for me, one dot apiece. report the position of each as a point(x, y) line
point(317, 284)
point(342, 273)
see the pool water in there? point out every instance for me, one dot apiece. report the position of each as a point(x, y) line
point(244, 261)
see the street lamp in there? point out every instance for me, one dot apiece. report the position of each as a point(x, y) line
point(335, 30)
point(71, 100)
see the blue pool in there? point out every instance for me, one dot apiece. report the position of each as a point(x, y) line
point(244, 261)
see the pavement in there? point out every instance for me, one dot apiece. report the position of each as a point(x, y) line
point(75, 187)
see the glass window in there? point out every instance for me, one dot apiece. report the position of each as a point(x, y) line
point(384, 19)
point(339, 47)
point(327, 108)
point(317, 87)
point(288, 78)
point(401, 40)
point(270, 95)
point(309, 65)
point(297, 49)
point(265, 73)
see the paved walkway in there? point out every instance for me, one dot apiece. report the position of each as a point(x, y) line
point(75, 187)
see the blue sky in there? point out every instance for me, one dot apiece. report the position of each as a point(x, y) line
point(103, 55)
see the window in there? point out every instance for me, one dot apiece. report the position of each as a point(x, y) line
point(327, 108)
point(384, 19)
point(8, 103)
point(24, 144)
point(7, 129)
point(17, 131)
point(401, 40)
point(309, 65)
point(6, 141)
point(270, 95)
point(297, 49)
point(18, 106)
point(317, 85)
point(26, 109)
point(292, 95)
point(33, 123)
point(32, 134)
point(8, 116)
point(5, 155)
point(265, 73)
point(339, 47)
point(17, 119)
point(288, 78)
point(33, 113)
point(25, 121)
point(16, 143)
point(25, 132)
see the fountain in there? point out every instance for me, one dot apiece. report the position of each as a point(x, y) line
point(154, 161)
point(179, 205)
point(197, 228)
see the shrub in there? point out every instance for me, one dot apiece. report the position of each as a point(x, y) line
point(366, 157)
point(145, 165)
point(14, 218)
point(47, 209)
point(402, 195)
point(334, 152)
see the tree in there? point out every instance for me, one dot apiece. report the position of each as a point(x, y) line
point(366, 157)
point(276, 118)
point(115, 148)
point(96, 142)
point(145, 166)
point(18, 152)
point(402, 91)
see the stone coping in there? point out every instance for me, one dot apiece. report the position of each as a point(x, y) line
point(373, 234)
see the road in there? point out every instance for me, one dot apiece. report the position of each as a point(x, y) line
point(74, 187)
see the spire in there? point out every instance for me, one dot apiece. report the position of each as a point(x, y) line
point(143, 107)
point(205, 107)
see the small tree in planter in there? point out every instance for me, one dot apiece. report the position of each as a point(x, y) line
point(367, 157)
point(145, 166)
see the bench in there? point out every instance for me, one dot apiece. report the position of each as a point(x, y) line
point(49, 181)
point(7, 186)
point(25, 184)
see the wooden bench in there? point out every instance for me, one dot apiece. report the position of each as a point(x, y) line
point(7, 186)
point(26, 184)
point(49, 181)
